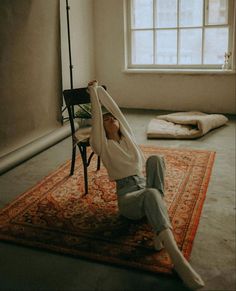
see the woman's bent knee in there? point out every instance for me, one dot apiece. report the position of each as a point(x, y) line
point(153, 194)
point(154, 160)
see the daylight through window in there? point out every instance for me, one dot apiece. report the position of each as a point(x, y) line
point(178, 33)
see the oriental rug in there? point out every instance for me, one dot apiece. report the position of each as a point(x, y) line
point(55, 215)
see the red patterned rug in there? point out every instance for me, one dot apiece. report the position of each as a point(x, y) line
point(55, 215)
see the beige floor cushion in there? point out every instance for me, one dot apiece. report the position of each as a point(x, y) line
point(185, 125)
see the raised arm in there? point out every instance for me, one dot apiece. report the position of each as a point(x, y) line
point(112, 107)
point(98, 96)
point(98, 138)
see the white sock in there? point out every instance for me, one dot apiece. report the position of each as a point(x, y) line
point(158, 245)
point(181, 265)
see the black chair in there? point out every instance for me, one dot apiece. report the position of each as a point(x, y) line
point(81, 136)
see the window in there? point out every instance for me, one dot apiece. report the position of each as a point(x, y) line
point(178, 34)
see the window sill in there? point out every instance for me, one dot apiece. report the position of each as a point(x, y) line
point(181, 71)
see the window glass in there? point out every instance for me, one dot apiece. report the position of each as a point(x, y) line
point(217, 12)
point(166, 47)
point(216, 40)
point(191, 13)
point(190, 50)
point(166, 13)
point(142, 47)
point(179, 33)
point(142, 13)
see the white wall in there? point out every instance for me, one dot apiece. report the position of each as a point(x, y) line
point(208, 93)
point(81, 29)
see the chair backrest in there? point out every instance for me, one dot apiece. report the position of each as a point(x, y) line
point(73, 97)
point(76, 96)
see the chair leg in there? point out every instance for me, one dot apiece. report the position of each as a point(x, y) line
point(83, 151)
point(72, 167)
point(98, 163)
point(85, 171)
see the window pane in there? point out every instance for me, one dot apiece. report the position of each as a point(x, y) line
point(216, 44)
point(166, 13)
point(190, 46)
point(217, 12)
point(191, 12)
point(142, 47)
point(142, 13)
point(166, 47)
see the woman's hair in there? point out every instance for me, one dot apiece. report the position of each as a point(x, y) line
point(105, 114)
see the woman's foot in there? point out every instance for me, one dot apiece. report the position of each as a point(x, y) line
point(189, 276)
point(158, 245)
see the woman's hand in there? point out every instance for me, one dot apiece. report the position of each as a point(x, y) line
point(92, 83)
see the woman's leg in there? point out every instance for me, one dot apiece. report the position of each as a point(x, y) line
point(131, 204)
point(149, 203)
point(158, 216)
point(156, 213)
point(189, 276)
point(155, 210)
point(155, 173)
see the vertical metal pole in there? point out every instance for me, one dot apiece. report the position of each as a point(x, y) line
point(69, 46)
point(69, 43)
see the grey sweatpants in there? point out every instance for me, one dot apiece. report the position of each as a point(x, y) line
point(148, 199)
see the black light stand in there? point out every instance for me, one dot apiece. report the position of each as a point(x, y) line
point(70, 60)
point(69, 43)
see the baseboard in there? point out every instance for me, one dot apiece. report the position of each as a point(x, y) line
point(22, 154)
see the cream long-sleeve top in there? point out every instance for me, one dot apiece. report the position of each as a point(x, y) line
point(123, 158)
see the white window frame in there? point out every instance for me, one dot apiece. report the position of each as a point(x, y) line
point(180, 67)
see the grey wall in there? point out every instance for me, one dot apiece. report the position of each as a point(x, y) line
point(30, 71)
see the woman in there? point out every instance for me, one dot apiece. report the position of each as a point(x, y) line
point(112, 139)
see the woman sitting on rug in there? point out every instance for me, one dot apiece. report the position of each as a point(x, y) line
point(112, 139)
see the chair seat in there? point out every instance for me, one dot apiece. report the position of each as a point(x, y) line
point(83, 134)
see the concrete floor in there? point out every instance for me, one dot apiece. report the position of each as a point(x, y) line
point(213, 254)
